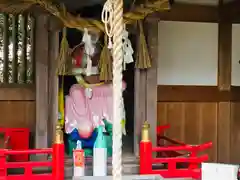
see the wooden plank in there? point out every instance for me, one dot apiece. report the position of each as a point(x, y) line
point(41, 57)
point(188, 13)
point(5, 48)
point(20, 93)
point(224, 132)
point(53, 84)
point(208, 127)
point(176, 119)
point(192, 119)
point(18, 114)
point(151, 82)
point(235, 133)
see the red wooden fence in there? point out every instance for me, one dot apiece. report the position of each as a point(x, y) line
point(18, 157)
point(57, 164)
point(193, 170)
point(191, 158)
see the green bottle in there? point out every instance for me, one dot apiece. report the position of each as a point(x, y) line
point(100, 141)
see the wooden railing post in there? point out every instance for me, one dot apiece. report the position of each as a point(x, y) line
point(58, 155)
point(145, 151)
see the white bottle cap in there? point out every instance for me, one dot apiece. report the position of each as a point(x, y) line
point(79, 145)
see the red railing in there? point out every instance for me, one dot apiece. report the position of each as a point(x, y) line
point(57, 164)
point(166, 141)
point(192, 161)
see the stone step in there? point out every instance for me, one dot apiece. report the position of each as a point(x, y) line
point(130, 166)
point(124, 177)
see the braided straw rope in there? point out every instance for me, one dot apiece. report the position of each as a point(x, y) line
point(117, 88)
point(95, 26)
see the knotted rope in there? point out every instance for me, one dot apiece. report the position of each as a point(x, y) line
point(107, 19)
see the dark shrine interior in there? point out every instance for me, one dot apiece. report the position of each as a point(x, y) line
point(74, 38)
point(93, 9)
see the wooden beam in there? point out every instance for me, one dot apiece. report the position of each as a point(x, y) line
point(23, 92)
point(188, 13)
point(231, 11)
point(151, 82)
point(181, 93)
point(41, 57)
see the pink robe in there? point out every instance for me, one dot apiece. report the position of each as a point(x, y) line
point(82, 111)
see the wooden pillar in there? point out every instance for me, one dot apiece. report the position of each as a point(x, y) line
point(224, 84)
point(53, 80)
point(146, 90)
point(41, 57)
point(139, 106)
point(224, 55)
point(151, 79)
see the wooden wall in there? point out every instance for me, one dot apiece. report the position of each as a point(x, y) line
point(17, 106)
point(202, 114)
point(34, 106)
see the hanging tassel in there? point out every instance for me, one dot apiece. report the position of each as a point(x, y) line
point(105, 63)
point(64, 61)
point(143, 59)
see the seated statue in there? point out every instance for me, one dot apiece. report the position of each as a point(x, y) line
point(85, 109)
point(88, 105)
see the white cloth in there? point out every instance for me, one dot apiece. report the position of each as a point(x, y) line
point(89, 48)
point(127, 49)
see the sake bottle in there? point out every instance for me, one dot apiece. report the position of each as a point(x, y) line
point(100, 154)
point(78, 159)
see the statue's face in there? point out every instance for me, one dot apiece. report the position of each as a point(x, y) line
point(79, 52)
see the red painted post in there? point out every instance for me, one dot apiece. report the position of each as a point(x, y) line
point(3, 170)
point(193, 165)
point(145, 151)
point(145, 157)
point(58, 156)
